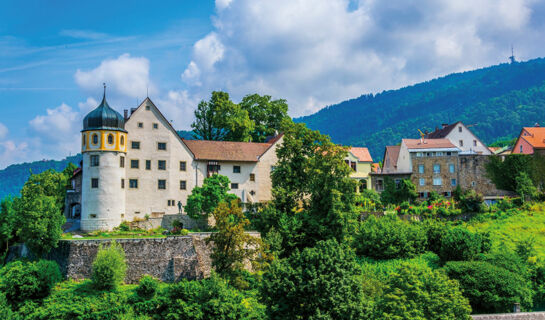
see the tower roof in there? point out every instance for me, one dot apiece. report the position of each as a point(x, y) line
point(104, 118)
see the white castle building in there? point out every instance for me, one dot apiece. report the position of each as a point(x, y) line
point(137, 165)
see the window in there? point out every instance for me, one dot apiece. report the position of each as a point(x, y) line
point(122, 183)
point(419, 154)
point(148, 108)
point(135, 164)
point(436, 168)
point(460, 129)
point(110, 139)
point(140, 125)
point(520, 148)
point(451, 168)
point(170, 203)
point(133, 183)
point(379, 185)
point(461, 143)
point(398, 183)
point(440, 153)
point(353, 165)
point(437, 181)
point(449, 153)
point(161, 184)
point(474, 143)
point(453, 182)
point(182, 166)
point(234, 186)
point(236, 169)
point(122, 141)
point(122, 162)
point(473, 183)
point(447, 194)
point(94, 161)
point(420, 168)
point(135, 144)
point(252, 193)
point(155, 126)
point(148, 164)
point(94, 183)
point(422, 181)
point(83, 138)
point(252, 176)
point(95, 138)
point(93, 215)
point(162, 164)
point(161, 145)
point(183, 185)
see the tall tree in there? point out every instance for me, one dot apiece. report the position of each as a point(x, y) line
point(267, 115)
point(204, 200)
point(8, 218)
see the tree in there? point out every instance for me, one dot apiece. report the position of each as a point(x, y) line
point(503, 173)
point(317, 283)
point(311, 182)
point(233, 247)
point(221, 119)
point(489, 288)
point(417, 293)
point(468, 200)
point(8, 220)
point(39, 215)
point(204, 200)
point(459, 244)
point(109, 267)
point(267, 115)
point(396, 193)
point(525, 187)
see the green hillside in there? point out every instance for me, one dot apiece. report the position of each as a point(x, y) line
point(499, 100)
point(13, 177)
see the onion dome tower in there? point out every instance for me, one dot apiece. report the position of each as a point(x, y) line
point(104, 147)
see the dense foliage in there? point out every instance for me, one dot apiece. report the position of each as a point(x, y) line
point(397, 193)
point(205, 199)
point(459, 244)
point(109, 267)
point(500, 99)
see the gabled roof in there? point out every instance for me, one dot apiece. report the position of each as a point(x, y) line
point(443, 132)
point(392, 153)
point(362, 154)
point(536, 137)
point(428, 144)
point(227, 150)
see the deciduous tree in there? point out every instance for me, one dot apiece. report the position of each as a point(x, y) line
point(204, 200)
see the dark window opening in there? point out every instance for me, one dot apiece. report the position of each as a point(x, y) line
point(94, 183)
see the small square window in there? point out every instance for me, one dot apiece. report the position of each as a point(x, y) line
point(437, 181)
point(161, 145)
point(148, 164)
point(460, 129)
point(135, 144)
point(122, 183)
point(135, 164)
point(183, 185)
point(474, 143)
point(92, 216)
point(161, 184)
point(94, 183)
point(422, 181)
point(94, 161)
point(155, 126)
point(133, 183)
point(436, 168)
point(461, 142)
point(234, 186)
point(453, 182)
point(420, 168)
point(451, 168)
point(122, 162)
point(236, 169)
point(148, 108)
point(252, 176)
point(140, 125)
point(182, 165)
point(162, 164)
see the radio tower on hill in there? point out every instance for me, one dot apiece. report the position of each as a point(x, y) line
point(512, 57)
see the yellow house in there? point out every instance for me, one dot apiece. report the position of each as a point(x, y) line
point(359, 159)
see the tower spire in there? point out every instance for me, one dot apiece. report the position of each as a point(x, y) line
point(104, 96)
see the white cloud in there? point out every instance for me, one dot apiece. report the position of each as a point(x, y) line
point(178, 107)
point(83, 34)
point(125, 76)
point(318, 52)
point(11, 152)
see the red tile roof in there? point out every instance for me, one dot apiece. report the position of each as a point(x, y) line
point(536, 138)
point(428, 143)
point(375, 167)
point(362, 154)
point(227, 150)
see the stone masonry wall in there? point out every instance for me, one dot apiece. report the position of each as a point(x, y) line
point(511, 316)
point(472, 175)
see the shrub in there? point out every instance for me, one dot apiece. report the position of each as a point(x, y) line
point(124, 226)
point(461, 244)
point(109, 267)
point(420, 293)
point(469, 200)
point(389, 237)
point(21, 280)
point(147, 287)
point(490, 288)
point(322, 282)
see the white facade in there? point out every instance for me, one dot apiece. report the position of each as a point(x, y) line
point(466, 141)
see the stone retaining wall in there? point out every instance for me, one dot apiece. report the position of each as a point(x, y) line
point(511, 316)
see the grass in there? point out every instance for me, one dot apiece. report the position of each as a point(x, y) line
point(383, 268)
point(514, 226)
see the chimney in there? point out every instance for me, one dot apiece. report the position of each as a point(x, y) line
point(444, 125)
point(133, 110)
point(126, 114)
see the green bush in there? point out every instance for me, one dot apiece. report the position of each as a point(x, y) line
point(469, 200)
point(147, 287)
point(21, 280)
point(459, 244)
point(490, 288)
point(389, 237)
point(421, 293)
point(5, 309)
point(109, 267)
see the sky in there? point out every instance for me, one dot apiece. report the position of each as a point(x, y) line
point(55, 55)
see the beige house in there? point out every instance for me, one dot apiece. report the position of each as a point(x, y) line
point(137, 166)
point(359, 159)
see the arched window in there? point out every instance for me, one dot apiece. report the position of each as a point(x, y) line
point(122, 142)
point(110, 139)
point(83, 138)
point(95, 138)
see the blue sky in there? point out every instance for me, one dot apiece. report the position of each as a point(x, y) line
point(55, 55)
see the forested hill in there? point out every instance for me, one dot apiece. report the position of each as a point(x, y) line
point(13, 177)
point(499, 100)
